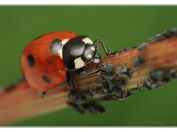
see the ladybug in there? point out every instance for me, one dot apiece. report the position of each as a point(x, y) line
point(49, 59)
point(42, 67)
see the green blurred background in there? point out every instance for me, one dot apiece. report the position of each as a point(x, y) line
point(119, 27)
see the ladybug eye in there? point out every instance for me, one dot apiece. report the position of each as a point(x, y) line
point(56, 45)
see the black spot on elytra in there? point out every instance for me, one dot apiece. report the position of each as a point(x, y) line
point(31, 60)
point(55, 45)
point(46, 79)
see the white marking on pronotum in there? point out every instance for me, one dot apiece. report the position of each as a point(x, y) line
point(79, 63)
point(87, 41)
point(64, 41)
point(60, 53)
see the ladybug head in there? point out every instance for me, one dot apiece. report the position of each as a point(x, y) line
point(90, 53)
point(80, 51)
point(76, 52)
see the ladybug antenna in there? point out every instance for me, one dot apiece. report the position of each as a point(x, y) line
point(98, 41)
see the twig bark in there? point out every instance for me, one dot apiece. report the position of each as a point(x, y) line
point(24, 102)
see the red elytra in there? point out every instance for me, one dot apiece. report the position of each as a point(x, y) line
point(41, 68)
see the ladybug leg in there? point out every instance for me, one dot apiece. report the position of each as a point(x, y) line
point(69, 80)
point(83, 73)
point(43, 94)
point(91, 73)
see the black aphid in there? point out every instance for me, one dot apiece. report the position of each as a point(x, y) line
point(160, 76)
point(124, 71)
point(142, 46)
point(165, 35)
point(108, 68)
point(139, 61)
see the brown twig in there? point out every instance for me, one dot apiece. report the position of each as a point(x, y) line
point(24, 102)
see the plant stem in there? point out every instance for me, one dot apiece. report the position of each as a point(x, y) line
point(24, 102)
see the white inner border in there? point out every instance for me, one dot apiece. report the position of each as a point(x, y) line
point(88, 2)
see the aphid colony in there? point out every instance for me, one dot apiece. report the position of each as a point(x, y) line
point(51, 59)
point(111, 88)
point(160, 76)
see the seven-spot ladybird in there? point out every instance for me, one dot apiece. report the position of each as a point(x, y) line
point(49, 59)
point(42, 66)
point(52, 58)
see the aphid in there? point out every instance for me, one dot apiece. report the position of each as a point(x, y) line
point(112, 97)
point(118, 83)
point(142, 46)
point(84, 98)
point(156, 38)
point(108, 73)
point(165, 35)
point(109, 68)
point(139, 61)
point(173, 73)
point(50, 59)
point(159, 77)
point(150, 83)
point(124, 72)
point(111, 85)
point(118, 95)
point(119, 51)
point(102, 90)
